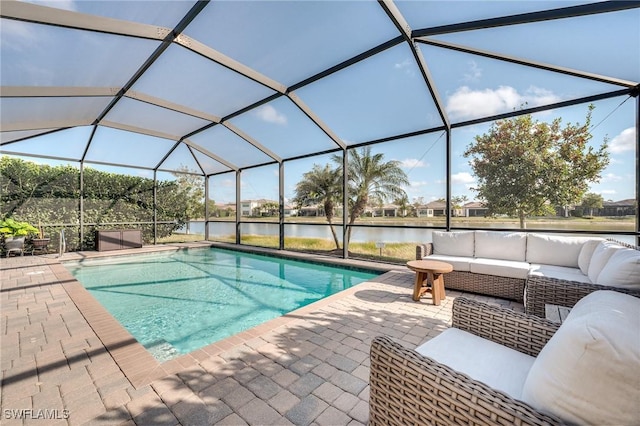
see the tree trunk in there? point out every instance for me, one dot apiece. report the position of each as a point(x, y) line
point(521, 216)
point(328, 211)
point(358, 208)
point(335, 236)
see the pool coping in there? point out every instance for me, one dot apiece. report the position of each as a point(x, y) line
point(136, 362)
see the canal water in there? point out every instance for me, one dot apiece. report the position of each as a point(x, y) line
point(359, 234)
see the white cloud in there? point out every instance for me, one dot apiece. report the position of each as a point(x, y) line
point(271, 115)
point(625, 141)
point(407, 66)
point(466, 103)
point(474, 73)
point(17, 35)
point(228, 183)
point(462, 177)
point(608, 191)
point(404, 64)
point(418, 183)
point(610, 177)
point(410, 163)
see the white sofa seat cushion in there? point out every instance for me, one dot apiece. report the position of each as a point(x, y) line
point(497, 366)
point(453, 243)
point(601, 255)
point(500, 268)
point(459, 263)
point(588, 372)
point(554, 250)
point(559, 272)
point(501, 245)
point(622, 269)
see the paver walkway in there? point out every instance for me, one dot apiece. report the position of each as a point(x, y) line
point(65, 362)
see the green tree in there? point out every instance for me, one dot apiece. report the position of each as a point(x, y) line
point(371, 179)
point(192, 186)
point(271, 208)
point(403, 203)
point(321, 185)
point(592, 201)
point(522, 166)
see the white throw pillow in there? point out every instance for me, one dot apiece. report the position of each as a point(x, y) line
point(501, 245)
point(587, 253)
point(622, 270)
point(554, 249)
point(589, 371)
point(453, 243)
point(601, 255)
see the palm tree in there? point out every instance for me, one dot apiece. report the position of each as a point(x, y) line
point(321, 185)
point(371, 178)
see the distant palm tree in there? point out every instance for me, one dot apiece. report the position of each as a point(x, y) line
point(321, 185)
point(371, 179)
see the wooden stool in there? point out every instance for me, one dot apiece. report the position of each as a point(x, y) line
point(432, 271)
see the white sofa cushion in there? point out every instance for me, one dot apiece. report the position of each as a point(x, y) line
point(601, 255)
point(586, 253)
point(501, 245)
point(622, 269)
point(559, 272)
point(480, 359)
point(459, 263)
point(500, 268)
point(588, 371)
point(453, 243)
point(554, 250)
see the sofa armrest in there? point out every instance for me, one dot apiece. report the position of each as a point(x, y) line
point(423, 250)
point(540, 291)
point(525, 333)
point(408, 388)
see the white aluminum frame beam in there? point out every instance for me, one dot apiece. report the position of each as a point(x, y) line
point(29, 12)
point(56, 91)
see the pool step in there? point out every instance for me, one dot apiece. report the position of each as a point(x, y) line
point(162, 350)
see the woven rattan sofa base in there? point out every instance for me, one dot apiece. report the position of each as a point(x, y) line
point(407, 388)
point(490, 285)
point(540, 291)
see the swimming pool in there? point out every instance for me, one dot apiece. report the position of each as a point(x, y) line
point(178, 301)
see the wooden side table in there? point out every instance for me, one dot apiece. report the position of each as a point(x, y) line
point(432, 271)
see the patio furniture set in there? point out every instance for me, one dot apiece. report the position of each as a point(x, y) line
point(536, 269)
point(498, 366)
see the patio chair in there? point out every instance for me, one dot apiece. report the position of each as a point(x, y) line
point(496, 366)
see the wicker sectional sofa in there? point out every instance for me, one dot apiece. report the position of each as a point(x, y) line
point(535, 268)
point(497, 366)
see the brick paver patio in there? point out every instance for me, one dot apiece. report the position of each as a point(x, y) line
point(66, 361)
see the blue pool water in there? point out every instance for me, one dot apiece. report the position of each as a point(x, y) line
point(176, 302)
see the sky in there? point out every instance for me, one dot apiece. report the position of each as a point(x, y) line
point(380, 97)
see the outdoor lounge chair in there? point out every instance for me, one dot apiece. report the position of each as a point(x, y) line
point(496, 366)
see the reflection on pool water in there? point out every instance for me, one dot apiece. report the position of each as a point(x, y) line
point(176, 302)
